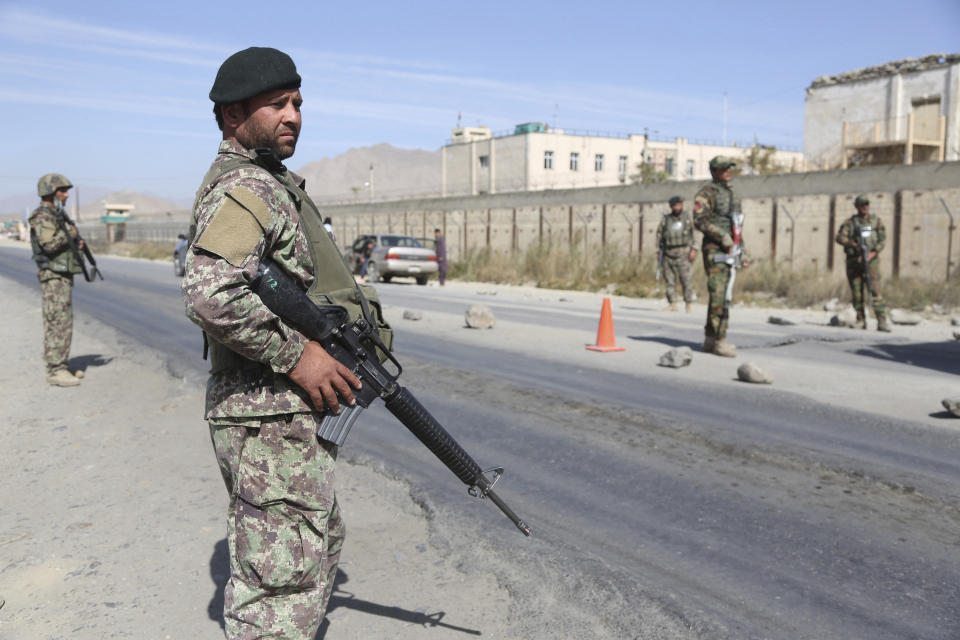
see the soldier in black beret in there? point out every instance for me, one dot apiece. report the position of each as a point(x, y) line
point(270, 386)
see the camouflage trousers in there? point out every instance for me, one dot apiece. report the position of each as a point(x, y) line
point(284, 529)
point(57, 309)
point(718, 274)
point(676, 266)
point(858, 285)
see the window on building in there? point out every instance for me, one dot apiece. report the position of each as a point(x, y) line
point(669, 166)
point(484, 161)
point(690, 168)
point(622, 167)
point(574, 161)
point(548, 159)
point(598, 162)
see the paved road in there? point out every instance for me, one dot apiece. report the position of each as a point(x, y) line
point(741, 515)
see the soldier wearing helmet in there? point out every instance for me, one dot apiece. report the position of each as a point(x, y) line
point(53, 237)
point(716, 209)
point(862, 233)
point(675, 242)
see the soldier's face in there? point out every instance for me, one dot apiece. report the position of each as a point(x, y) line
point(676, 208)
point(863, 209)
point(273, 121)
point(61, 195)
point(722, 174)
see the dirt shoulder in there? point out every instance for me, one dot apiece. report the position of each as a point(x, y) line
point(113, 511)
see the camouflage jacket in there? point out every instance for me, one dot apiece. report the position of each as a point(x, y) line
point(711, 208)
point(219, 300)
point(50, 242)
point(675, 231)
point(849, 235)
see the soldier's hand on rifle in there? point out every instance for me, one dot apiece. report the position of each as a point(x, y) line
point(871, 255)
point(80, 244)
point(693, 255)
point(322, 377)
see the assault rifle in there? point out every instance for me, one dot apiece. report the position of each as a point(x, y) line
point(89, 274)
point(661, 248)
point(734, 258)
point(356, 345)
point(864, 232)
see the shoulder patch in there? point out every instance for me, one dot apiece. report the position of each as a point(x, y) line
point(236, 227)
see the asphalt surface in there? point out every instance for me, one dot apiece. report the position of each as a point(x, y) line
point(739, 515)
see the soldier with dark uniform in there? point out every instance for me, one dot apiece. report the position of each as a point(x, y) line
point(269, 384)
point(869, 228)
point(675, 240)
point(53, 236)
point(713, 211)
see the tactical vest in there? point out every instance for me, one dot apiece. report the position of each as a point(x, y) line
point(65, 261)
point(868, 229)
point(677, 230)
point(724, 203)
point(333, 284)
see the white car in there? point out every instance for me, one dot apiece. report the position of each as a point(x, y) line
point(392, 255)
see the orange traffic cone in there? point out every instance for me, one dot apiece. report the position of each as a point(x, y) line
point(605, 339)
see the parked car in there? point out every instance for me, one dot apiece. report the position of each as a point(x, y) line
point(180, 256)
point(391, 255)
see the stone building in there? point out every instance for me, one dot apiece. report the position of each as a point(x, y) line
point(535, 157)
point(901, 112)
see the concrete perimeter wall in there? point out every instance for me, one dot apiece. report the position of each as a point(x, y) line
point(790, 219)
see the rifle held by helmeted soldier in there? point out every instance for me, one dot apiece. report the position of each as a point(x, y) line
point(357, 346)
point(89, 274)
point(734, 258)
point(864, 232)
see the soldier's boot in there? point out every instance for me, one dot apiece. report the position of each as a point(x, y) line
point(672, 307)
point(62, 378)
point(708, 344)
point(689, 307)
point(78, 374)
point(861, 320)
point(883, 324)
point(725, 349)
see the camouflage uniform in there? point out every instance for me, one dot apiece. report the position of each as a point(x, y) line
point(675, 238)
point(711, 209)
point(57, 264)
point(849, 237)
point(284, 525)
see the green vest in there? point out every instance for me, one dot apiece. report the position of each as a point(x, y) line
point(867, 227)
point(64, 261)
point(333, 284)
point(677, 230)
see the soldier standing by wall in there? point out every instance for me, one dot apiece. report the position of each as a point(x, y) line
point(441, 251)
point(713, 210)
point(52, 236)
point(268, 383)
point(864, 232)
point(675, 240)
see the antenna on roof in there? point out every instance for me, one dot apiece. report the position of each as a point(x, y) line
point(459, 118)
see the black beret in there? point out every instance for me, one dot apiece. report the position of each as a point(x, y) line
point(675, 200)
point(251, 72)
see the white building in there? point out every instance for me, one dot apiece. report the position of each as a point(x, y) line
point(534, 157)
point(900, 112)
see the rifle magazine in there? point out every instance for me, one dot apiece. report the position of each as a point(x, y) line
point(336, 428)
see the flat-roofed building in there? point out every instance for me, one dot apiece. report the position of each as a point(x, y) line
point(896, 113)
point(535, 157)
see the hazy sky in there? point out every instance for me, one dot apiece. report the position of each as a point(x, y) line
point(114, 94)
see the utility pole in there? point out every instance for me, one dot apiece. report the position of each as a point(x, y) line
point(371, 182)
point(724, 118)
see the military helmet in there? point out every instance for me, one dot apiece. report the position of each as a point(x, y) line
point(861, 199)
point(675, 200)
point(50, 183)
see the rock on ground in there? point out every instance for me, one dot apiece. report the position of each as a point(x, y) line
point(677, 357)
point(955, 321)
point(780, 321)
point(752, 372)
point(412, 315)
point(899, 316)
point(952, 405)
point(479, 316)
point(846, 318)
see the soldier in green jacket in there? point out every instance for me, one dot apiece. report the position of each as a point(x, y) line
point(675, 241)
point(54, 239)
point(714, 209)
point(269, 384)
point(863, 231)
